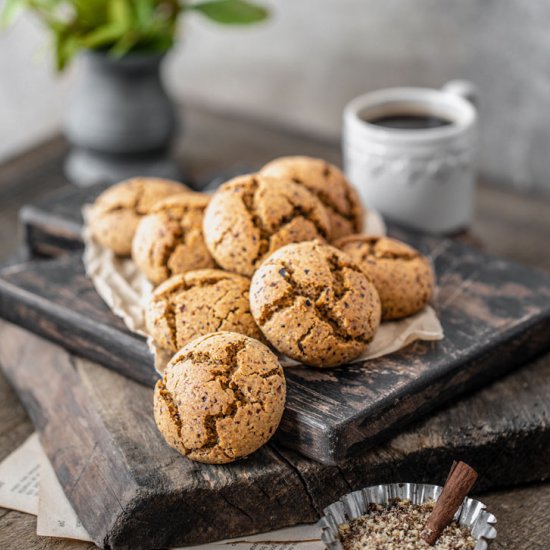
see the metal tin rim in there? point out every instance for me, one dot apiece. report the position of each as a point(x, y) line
point(471, 514)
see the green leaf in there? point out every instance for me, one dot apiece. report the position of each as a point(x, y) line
point(161, 43)
point(231, 12)
point(103, 36)
point(144, 12)
point(120, 13)
point(12, 9)
point(90, 13)
point(124, 45)
point(66, 47)
point(123, 26)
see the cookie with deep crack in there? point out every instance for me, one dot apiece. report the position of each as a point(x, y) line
point(169, 240)
point(314, 304)
point(197, 303)
point(329, 184)
point(251, 216)
point(403, 277)
point(115, 214)
point(221, 398)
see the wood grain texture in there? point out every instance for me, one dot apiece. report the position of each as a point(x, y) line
point(70, 311)
point(522, 517)
point(508, 224)
point(128, 487)
point(52, 225)
point(495, 314)
point(21, 180)
point(132, 491)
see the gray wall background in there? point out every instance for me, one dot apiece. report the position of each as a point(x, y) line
point(314, 55)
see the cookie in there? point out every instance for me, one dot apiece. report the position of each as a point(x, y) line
point(169, 240)
point(251, 216)
point(403, 277)
point(221, 398)
point(314, 304)
point(197, 303)
point(329, 184)
point(115, 214)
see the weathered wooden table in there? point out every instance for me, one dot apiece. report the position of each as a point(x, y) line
point(509, 225)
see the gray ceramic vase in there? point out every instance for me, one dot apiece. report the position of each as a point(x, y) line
point(120, 121)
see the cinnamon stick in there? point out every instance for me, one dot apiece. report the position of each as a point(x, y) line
point(459, 483)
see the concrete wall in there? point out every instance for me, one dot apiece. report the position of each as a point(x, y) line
point(315, 55)
point(31, 96)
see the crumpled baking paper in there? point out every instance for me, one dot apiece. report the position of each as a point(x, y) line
point(126, 291)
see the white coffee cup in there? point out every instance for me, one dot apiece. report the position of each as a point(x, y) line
point(423, 178)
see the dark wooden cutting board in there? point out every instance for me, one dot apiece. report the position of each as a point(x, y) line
point(495, 314)
point(132, 491)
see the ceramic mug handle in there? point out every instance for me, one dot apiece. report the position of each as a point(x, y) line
point(463, 88)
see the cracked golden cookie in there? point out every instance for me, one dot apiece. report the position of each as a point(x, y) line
point(403, 277)
point(169, 240)
point(221, 398)
point(251, 216)
point(314, 304)
point(115, 214)
point(197, 303)
point(329, 184)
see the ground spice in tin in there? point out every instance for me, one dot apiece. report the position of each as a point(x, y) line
point(398, 526)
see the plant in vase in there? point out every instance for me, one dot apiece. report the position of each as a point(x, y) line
point(120, 121)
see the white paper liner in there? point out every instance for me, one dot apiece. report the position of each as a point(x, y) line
point(20, 478)
point(126, 291)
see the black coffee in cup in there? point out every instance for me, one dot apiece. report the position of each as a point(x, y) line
point(417, 144)
point(409, 121)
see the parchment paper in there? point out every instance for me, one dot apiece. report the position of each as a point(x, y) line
point(19, 477)
point(56, 516)
point(126, 291)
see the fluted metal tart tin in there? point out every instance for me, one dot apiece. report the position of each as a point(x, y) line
point(471, 514)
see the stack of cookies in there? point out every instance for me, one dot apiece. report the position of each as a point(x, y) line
point(273, 261)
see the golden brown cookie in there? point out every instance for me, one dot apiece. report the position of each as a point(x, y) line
point(314, 304)
point(403, 277)
point(221, 398)
point(329, 184)
point(115, 214)
point(197, 303)
point(251, 216)
point(169, 240)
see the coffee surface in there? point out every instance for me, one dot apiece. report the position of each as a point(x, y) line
point(409, 122)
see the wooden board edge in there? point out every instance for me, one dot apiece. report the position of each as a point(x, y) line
point(341, 441)
point(29, 311)
point(316, 484)
point(144, 519)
